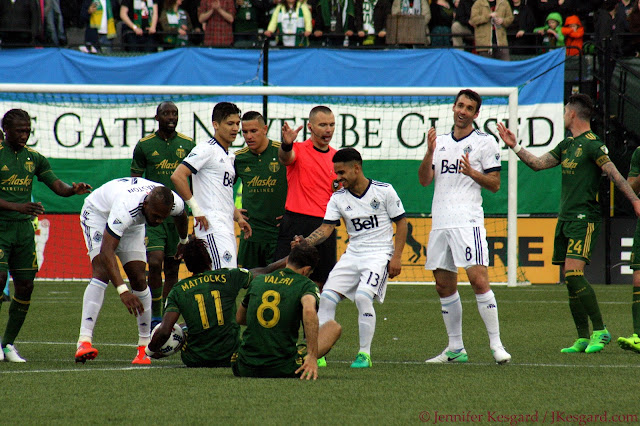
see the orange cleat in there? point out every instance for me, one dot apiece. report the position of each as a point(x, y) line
point(85, 351)
point(141, 358)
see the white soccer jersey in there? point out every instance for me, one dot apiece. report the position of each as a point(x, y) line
point(457, 201)
point(120, 202)
point(213, 177)
point(368, 218)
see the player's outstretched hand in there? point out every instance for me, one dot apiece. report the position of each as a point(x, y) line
point(395, 267)
point(81, 188)
point(636, 208)
point(308, 370)
point(431, 139)
point(202, 222)
point(133, 304)
point(506, 135)
point(288, 134)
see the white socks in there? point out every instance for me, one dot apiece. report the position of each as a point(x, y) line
point(488, 309)
point(91, 305)
point(144, 319)
point(366, 320)
point(329, 300)
point(452, 316)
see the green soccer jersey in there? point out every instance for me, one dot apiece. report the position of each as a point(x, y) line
point(207, 302)
point(581, 159)
point(274, 313)
point(634, 170)
point(264, 190)
point(156, 159)
point(17, 170)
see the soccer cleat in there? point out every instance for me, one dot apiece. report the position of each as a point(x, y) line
point(599, 339)
point(630, 343)
point(85, 352)
point(501, 355)
point(11, 354)
point(141, 358)
point(578, 346)
point(447, 356)
point(322, 362)
point(363, 360)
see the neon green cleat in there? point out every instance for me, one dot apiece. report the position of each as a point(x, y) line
point(630, 343)
point(322, 362)
point(363, 360)
point(599, 339)
point(578, 346)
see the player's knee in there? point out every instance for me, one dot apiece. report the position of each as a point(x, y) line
point(155, 262)
point(23, 288)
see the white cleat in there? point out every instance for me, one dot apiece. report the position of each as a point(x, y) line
point(501, 355)
point(11, 354)
point(449, 357)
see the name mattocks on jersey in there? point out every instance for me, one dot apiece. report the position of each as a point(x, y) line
point(368, 218)
point(120, 200)
point(213, 178)
point(457, 199)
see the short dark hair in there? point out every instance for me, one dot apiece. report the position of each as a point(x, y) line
point(318, 109)
point(222, 110)
point(162, 105)
point(253, 115)
point(582, 105)
point(347, 155)
point(162, 195)
point(196, 256)
point(14, 116)
point(304, 255)
point(471, 95)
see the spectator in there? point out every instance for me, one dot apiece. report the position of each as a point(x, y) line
point(573, 32)
point(551, 32)
point(441, 21)
point(414, 7)
point(371, 20)
point(542, 9)
point(54, 23)
point(335, 19)
point(634, 27)
point(609, 24)
point(191, 7)
point(460, 24)
point(586, 11)
point(217, 17)
point(246, 24)
point(520, 32)
point(490, 20)
point(175, 23)
point(291, 19)
point(625, 6)
point(20, 22)
point(99, 18)
point(140, 23)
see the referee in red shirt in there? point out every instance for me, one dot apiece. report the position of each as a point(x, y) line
point(311, 180)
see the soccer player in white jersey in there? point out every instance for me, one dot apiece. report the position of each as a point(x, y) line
point(460, 164)
point(210, 165)
point(113, 220)
point(368, 209)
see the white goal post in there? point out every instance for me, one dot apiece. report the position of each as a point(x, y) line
point(505, 92)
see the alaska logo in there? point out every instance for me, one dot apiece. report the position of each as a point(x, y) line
point(180, 152)
point(14, 180)
point(569, 164)
point(269, 182)
point(167, 165)
point(274, 166)
point(30, 166)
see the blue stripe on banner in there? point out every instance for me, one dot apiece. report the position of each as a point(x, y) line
point(213, 251)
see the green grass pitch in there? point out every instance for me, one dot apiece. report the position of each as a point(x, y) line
point(400, 389)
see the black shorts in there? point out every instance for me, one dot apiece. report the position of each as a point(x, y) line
point(293, 224)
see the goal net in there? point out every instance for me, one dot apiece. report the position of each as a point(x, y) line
point(88, 134)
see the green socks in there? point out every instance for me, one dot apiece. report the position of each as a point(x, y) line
point(579, 287)
point(635, 310)
point(17, 313)
point(156, 302)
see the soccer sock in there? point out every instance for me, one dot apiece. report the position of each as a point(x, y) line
point(452, 316)
point(581, 288)
point(144, 319)
point(366, 320)
point(635, 310)
point(17, 313)
point(156, 303)
point(329, 300)
point(579, 314)
point(91, 305)
point(488, 308)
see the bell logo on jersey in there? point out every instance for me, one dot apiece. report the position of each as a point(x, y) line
point(227, 180)
point(449, 168)
point(369, 223)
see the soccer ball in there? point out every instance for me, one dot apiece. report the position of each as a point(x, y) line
point(174, 343)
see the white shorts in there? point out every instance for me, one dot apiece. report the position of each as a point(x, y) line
point(366, 273)
point(131, 246)
point(222, 246)
point(454, 248)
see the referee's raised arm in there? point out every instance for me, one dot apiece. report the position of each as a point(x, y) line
point(286, 155)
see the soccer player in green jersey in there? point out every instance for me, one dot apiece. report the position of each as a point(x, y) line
point(583, 158)
point(633, 343)
point(264, 191)
point(272, 310)
point(19, 164)
point(155, 157)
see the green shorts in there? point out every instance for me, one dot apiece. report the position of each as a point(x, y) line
point(635, 250)
point(252, 254)
point(163, 237)
point(286, 370)
point(574, 240)
point(18, 249)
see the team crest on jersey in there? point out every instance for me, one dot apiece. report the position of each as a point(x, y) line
point(1, 254)
point(227, 256)
point(467, 150)
point(97, 237)
point(498, 157)
point(604, 149)
point(30, 166)
point(579, 151)
point(180, 152)
point(375, 204)
point(274, 167)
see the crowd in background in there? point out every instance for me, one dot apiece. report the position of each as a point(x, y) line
point(495, 28)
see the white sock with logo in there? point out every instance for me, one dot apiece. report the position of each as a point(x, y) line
point(329, 300)
point(366, 320)
point(488, 308)
point(144, 319)
point(452, 316)
point(91, 305)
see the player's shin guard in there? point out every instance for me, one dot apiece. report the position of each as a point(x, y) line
point(366, 320)
point(91, 305)
point(17, 313)
point(329, 300)
point(581, 288)
point(635, 310)
point(488, 308)
point(452, 317)
point(144, 319)
point(579, 314)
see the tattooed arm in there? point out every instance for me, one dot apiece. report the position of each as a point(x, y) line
point(316, 237)
point(614, 176)
point(545, 161)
